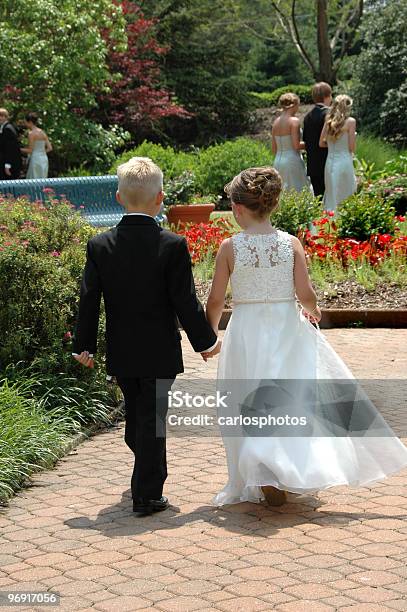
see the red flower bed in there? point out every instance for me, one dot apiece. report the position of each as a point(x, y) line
point(206, 237)
point(325, 243)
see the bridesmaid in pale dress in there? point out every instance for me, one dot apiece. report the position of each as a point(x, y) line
point(287, 145)
point(38, 148)
point(339, 135)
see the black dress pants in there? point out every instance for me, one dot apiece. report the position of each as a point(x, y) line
point(318, 184)
point(146, 405)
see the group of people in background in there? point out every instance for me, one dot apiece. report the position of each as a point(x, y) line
point(329, 139)
point(11, 160)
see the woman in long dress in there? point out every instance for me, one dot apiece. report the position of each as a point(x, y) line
point(275, 362)
point(339, 135)
point(287, 145)
point(38, 147)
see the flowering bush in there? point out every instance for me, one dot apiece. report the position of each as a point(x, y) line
point(41, 260)
point(325, 244)
point(204, 238)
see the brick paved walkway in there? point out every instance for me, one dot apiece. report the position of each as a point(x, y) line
point(73, 532)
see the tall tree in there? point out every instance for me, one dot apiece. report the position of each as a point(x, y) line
point(204, 66)
point(137, 99)
point(323, 32)
point(53, 60)
point(380, 73)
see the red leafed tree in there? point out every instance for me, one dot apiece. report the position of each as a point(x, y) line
point(136, 100)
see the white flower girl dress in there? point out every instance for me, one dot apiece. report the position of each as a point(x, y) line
point(268, 338)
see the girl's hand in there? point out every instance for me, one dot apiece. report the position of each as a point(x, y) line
point(314, 316)
point(215, 351)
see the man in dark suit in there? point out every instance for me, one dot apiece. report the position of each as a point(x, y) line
point(144, 274)
point(10, 154)
point(313, 124)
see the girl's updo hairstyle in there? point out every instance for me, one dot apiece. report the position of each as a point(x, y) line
point(32, 117)
point(257, 189)
point(288, 100)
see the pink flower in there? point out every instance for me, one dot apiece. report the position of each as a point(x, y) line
point(55, 254)
point(67, 335)
point(48, 190)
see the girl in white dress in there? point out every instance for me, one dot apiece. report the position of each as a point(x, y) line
point(38, 148)
point(287, 145)
point(269, 338)
point(339, 135)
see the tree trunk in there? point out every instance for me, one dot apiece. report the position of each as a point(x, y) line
point(325, 69)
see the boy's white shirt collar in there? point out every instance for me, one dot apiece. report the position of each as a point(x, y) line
point(142, 214)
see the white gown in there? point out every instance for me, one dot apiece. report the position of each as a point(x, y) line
point(340, 180)
point(269, 338)
point(289, 163)
point(38, 164)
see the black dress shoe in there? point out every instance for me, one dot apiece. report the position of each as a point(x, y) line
point(149, 506)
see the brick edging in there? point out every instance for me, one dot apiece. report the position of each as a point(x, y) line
point(341, 317)
point(90, 431)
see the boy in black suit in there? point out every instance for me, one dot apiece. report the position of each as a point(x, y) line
point(313, 124)
point(144, 274)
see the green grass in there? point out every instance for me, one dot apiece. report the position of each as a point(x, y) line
point(29, 438)
point(375, 150)
point(228, 215)
point(325, 274)
point(38, 415)
point(204, 269)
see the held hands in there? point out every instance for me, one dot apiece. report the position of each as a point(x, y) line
point(215, 351)
point(85, 359)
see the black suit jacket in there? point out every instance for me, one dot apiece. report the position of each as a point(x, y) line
point(316, 155)
point(10, 152)
point(145, 276)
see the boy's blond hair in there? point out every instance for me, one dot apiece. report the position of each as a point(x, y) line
point(140, 180)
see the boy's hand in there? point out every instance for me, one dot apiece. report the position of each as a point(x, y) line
point(215, 351)
point(85, 359)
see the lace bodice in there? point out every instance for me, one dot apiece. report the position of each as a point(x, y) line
point(263, 269)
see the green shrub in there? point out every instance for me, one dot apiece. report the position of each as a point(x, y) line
point(41, 260)
point(395, 166)
point(38, 414)
point(180, 190)
point(172, 163)
point(363, 214)
point(392, 189)
point(218, 164)
point(296, 211)
point(28, 438)
point(264, 99)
